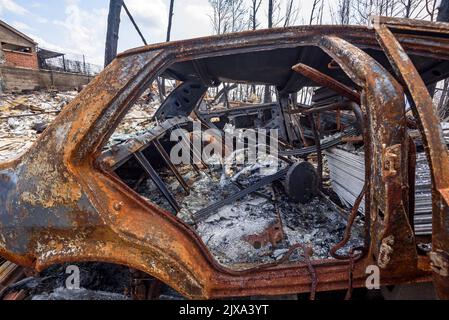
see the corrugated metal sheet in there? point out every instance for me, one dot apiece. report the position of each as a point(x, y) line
point(347, 173)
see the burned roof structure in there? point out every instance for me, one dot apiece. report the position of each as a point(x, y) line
point(66, 200)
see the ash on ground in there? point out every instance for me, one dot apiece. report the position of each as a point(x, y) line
point(225, 232)
point(23, 117)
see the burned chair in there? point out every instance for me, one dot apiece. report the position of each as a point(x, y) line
point(64, 200)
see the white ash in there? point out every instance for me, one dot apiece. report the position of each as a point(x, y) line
point(63, 294)
point(22, 112)
point(224, 232)
point(313, 224)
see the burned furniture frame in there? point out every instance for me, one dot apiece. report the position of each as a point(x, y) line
point(59, 205)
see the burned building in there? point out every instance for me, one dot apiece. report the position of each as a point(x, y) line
point(16, 48)
point(23, 66)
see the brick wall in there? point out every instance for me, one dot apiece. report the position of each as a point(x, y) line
point(18, 79)
point(21, 59)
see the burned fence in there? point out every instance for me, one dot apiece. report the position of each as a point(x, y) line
point(61, 62)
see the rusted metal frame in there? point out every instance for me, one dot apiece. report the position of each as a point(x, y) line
point(288, 38)
point(301, 133)
point(117, 155)
point(319, 151)
point(187, 256)
point(170, 165)
point(351, 219)
point(143, 161)
point(327, 81)
point(434, 145)
point(383, 102)
point(286, 120)
point(415, 25)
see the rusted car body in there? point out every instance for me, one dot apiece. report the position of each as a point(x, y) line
point(58, 203)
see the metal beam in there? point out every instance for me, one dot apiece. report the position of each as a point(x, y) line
point(143, 161)
point(326, 81)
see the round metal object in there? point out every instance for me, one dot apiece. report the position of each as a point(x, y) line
point(301, 182)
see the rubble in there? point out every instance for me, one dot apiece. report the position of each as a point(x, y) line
point(24, 117)
point(79, 294)
point(225, 232)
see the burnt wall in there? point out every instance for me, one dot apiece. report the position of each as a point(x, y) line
point(19, 79)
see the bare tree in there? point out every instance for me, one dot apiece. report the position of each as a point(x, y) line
point(238, 13)
point(412, 9)
point(431, 8)
point(291, 13)
point(221, 15)
point(343, 14)
point(316, 16)
point(283, 13)
point(255, 6)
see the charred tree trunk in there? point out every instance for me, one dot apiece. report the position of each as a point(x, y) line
point(443, 12)
point(267, 92)
point(270, 14)
point(170, 19)
point(170, 22)
point(115, 8)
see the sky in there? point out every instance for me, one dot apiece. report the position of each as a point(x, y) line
point(78, 27)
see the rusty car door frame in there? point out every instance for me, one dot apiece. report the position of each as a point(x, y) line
point(130, 231)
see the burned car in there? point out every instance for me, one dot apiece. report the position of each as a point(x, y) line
point(213, 230)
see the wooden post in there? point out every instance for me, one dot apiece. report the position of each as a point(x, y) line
point(115, 8)
point(63, 63)
point(84, 64)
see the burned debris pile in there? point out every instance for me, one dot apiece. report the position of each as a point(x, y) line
point(253, 228)
point(24, 116)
